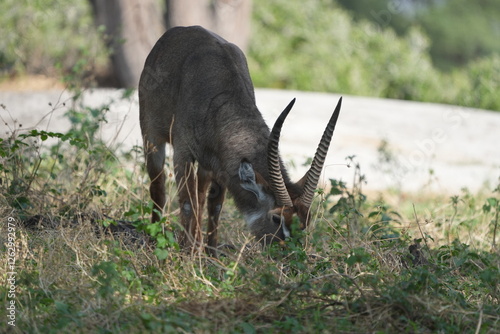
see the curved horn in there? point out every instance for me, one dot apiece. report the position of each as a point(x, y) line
point(273, 161)
point(312, 175)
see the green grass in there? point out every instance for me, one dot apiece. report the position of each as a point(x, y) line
point(80, 268)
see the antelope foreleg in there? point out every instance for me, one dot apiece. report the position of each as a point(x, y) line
point(189, 201)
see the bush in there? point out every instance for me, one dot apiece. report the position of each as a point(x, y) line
point(317, 46)
point(484, 84)
point(41, 36)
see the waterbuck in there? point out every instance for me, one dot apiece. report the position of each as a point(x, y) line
point(195, 93)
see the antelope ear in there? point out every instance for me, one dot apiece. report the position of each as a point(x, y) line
point(248, 182)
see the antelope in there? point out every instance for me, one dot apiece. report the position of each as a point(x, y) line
point(196, 94)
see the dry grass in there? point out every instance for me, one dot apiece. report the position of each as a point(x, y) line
point(80, 268)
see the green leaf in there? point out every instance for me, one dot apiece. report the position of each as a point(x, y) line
point(161, 253)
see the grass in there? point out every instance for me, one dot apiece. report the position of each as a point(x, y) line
point(83, 263)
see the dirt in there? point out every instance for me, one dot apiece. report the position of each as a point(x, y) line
point(30, 83)
point(431, 147)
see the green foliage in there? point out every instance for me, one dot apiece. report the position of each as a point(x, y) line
point(493, 205)
point(350, 202)
point(39, 35)
point(317, 46)
point(39, 168)
point(483, 84)
point(171, 321)
point(462, 31)
point(383, 13)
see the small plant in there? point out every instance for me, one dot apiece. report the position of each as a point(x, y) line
point(384, 222)
point(349, 204)
point(31, 171)
point(493, 205)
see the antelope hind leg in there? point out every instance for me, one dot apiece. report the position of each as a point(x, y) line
point(155, 160)
point(216, 197)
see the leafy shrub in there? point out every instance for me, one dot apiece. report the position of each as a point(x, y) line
point(317, 46)
point(484, 84)
point(40, 36)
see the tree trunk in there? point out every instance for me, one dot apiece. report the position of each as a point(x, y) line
point(228, 18)
point(133, 27)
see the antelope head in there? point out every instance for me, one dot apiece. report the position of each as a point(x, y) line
point(273, 221)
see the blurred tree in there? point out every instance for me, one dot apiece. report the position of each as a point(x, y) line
point(228, 18)
point(316, 46)
point(48, 37)
point(384, 13)
point(460, 30)
point(133, 26)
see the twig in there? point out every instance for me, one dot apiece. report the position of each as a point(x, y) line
point(479, 323)
point(421, 232)
point(494, 244)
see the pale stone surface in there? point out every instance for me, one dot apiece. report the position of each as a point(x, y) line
point(460, 145)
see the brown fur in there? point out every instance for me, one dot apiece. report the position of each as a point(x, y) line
point(196, 93)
